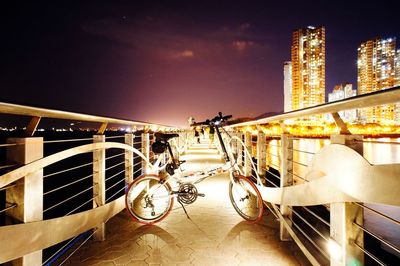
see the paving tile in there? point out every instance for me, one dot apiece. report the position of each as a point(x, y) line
point(214, 235)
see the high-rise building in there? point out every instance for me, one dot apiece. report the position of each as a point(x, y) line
point(308, 67)
point(340, 92)
point(397, 68)
point(376, 71)
point(397, 83)
point(287, 86)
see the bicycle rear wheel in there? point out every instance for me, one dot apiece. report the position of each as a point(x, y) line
point(246, 199)
point(148, 200)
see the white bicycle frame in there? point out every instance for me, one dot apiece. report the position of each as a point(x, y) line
point(230, 165)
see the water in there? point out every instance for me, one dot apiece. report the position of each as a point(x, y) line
point(375, 153)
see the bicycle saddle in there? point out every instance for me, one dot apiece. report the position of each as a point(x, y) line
point(165, 136)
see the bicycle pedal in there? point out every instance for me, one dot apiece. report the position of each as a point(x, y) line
point(201, 194)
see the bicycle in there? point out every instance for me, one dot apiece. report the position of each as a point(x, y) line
point(150, 198)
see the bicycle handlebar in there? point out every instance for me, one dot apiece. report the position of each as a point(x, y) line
point(215, 121)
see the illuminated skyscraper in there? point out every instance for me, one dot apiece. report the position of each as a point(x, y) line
point(287, 86)
point(341, 92)
point(397, 68)
point(397, 83)
point(376, 71)
point(308, 67)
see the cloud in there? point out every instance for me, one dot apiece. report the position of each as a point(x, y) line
point(183, 54)
point(244, 26)
point(242, 45)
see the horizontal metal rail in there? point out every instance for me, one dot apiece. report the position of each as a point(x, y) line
point(277, 166)
point(9, 186)
point(13, 205)
point(116, 183)
point(115, 137)
point(310, 240)
point(74, 196)
point(115, 165)
point(83, 204)
point(378, 213)
point(114, 175)
point(67, 185)
point(270, 209)
point(316, 216)
point(269, 181)
point(67, 170)
point(136, 164)
point(372, 256)
point(271, 173)
point(378, 142)
point(378, 238)
point(66, 140)
point(310, 225)
point(72, 253)
point(54, 254)
point(387, 96)
point(302, 164)
point(116, 155)
point(296, 175)
point(113, 195)
point(15, 109)
point(10, 144)
point(7, 166)
point(140, 169)
point(308, 152)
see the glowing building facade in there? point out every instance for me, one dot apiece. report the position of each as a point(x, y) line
point(377, 71)
point(287, 86)
point(308, 67)
point(341, 92)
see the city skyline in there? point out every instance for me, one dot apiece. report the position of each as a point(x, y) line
point(137, 61)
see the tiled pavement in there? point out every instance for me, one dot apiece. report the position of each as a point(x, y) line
point(214, 235)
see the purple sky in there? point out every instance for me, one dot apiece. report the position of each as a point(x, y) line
point(165, 62)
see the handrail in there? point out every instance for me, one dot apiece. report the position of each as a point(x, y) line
point(16, 109)
point(387, 96)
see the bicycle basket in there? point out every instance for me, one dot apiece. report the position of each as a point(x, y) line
point(158, 147)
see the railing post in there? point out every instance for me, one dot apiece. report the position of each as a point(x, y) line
point(247, 160)
point(128, 159)
point(342, 216)
point(286, 180)
point(99, 184)
point(145, 151)
point(261, 153)
point(28, 194)
point(239, 149)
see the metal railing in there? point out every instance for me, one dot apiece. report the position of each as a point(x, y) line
point(300, 161)
point(71, 184)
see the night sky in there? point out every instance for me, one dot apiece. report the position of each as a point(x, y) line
point(165, 61)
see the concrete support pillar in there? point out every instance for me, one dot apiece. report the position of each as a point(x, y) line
point(239, 149)
point(128, 159)
point(145, 151)
point(286, 180)
point(28, 194)
point(261, 153)
point(99, 184)
point(342, 216)
point(247, 160)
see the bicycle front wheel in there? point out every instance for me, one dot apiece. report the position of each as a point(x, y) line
point(148, 200)
point(246, 199)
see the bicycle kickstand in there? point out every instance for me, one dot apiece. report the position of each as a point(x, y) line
point(187, 215)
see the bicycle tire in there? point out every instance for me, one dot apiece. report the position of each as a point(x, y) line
point(139, 206)
point(253, 204)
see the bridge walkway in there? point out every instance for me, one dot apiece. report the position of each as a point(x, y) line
point(214, 235)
